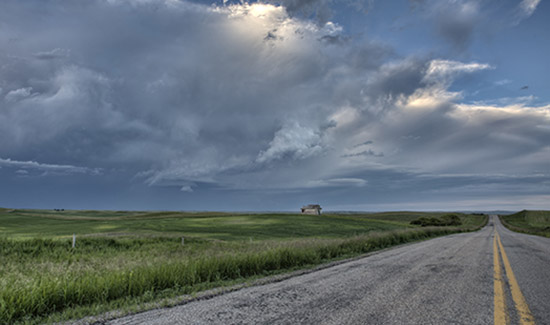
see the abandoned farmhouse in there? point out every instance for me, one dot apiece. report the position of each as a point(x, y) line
point(311, 209)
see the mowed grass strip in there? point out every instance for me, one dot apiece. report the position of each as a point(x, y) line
point(530, 222)
point(40, 277)
point(25, 224)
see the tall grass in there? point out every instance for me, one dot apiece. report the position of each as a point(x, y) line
point(46, 293)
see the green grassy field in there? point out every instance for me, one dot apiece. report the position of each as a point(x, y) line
point(531, 222)
point(220, 226)
point(123, 259)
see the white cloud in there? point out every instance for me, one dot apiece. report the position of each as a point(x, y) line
point(337, 182)
point(528, 7)
point(445, 70)
point(541, 113)
point(293, 140)
point(437, 78)
point(430, 98)
point(24, 166)
point(503, 82)
point(507, 101)
point(18, 94)
point(186, 188)
point(524, 10)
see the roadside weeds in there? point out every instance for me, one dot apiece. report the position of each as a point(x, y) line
point(211, 293)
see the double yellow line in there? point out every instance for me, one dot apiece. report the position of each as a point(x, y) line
point(501, 315)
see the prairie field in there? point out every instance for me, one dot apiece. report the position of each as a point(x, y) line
point(123, 259)
point(529, 221)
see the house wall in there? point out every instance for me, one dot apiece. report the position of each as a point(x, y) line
point(311, 211)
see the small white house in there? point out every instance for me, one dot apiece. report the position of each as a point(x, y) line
point(311, 209)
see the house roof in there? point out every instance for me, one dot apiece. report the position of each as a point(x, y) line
point(312, 206)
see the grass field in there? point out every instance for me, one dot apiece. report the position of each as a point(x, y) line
point(220, 226)
point(530, 222)
point(123, 259)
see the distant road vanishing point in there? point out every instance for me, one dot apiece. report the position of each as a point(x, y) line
point(492, 276)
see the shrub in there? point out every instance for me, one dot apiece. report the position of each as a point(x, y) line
point(446, 220)
point(451, 220)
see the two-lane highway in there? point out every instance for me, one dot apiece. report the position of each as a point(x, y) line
point(492, 276)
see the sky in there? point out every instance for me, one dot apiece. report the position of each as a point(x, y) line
point(359, 105)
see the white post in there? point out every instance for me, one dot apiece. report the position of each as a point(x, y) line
point(74, 240)
point(182, 241)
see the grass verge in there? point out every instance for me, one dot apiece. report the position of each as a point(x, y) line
point(528, 222)
point(37, 298)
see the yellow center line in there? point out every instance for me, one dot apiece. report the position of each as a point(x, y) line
point(500, 316)
point(525, 316)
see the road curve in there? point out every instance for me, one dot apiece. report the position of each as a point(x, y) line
point(446, 280)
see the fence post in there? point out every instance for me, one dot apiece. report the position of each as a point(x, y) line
point(74, 240)
point(182, 241)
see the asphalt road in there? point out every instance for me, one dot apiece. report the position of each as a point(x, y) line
point(449, 280)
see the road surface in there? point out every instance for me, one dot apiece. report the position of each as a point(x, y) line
point(449, 280)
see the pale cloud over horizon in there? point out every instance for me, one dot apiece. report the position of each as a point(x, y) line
point(22, 167)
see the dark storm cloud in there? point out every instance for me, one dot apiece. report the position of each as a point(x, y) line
point(321, 11)
point(364, 153)
point(460, 22)
point(401, 78)
point(363, 144)
point(320, 8)
point(243, 97)
point(457, 21)
point(164, 96)
point(335, 40)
